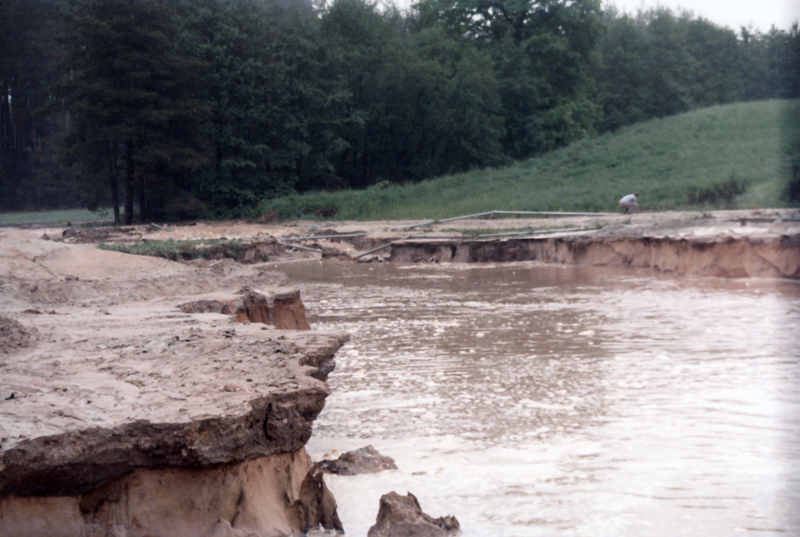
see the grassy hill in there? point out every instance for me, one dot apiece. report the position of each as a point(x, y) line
point(721, 157)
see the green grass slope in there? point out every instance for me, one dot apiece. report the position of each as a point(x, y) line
point(719, 157)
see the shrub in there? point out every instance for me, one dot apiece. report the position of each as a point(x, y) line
point(725, 193)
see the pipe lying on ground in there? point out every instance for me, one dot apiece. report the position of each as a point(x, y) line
point(523, 233)
point(320, 237)
point(552, 213)
point(300, 247)
point(507, 234)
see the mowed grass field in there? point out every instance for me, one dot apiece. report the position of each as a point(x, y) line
point(54, 217)
point(720, 157)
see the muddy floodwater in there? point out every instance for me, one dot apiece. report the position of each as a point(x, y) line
point(536, 401)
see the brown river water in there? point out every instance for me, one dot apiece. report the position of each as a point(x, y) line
point(568, 401)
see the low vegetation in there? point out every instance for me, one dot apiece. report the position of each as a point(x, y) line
point(73, 216)
point(181, 250)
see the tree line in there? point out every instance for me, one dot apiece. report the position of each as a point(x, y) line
point(185, 108)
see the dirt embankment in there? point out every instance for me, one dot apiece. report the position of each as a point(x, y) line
point(726, 257)
point(758, 243)
point(728, 244)
point(142, 397)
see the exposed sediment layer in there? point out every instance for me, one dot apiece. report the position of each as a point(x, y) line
point(127, 415)
point(283, 310)
point(260, 496)
point(727, 257)
point(81, 460)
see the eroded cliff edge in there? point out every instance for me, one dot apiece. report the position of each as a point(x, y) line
point(722, 257)
point(726, 249)
point(126, 410)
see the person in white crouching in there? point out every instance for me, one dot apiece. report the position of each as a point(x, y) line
point(629, 204)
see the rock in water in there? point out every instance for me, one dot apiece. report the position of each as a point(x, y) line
point(366, 460)
point(401, 516)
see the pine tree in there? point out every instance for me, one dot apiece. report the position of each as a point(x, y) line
point(135, 117)
point(28, 55)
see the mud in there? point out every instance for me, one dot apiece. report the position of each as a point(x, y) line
point(123, 392)
point(284, 311)
point(265, 496)
point(402, 515)
point(365, 460)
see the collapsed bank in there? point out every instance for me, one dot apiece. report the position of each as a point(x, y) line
point(726, 244)
point(144, 397)
point(723, 257)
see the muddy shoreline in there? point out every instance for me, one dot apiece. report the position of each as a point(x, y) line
point(729, 257)
point(128, 371)
point(727, 244)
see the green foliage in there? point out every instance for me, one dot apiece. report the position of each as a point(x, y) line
point(272, 108)
point(733, 151)
point(420, 103)
point(720, 193)
point(381, 200)
point(790, 134)
point(659, 63)
point(29, 55)
point(129, 93)
point(543, 52)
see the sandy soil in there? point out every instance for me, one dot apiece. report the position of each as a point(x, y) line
point(104, 341)
point(100, 366)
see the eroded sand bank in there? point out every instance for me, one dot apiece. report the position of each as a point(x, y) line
point(122, 413)
point(110, 384)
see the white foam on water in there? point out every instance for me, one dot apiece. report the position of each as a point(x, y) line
point(560, 401)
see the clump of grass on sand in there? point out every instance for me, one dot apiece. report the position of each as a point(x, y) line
point(180, 250)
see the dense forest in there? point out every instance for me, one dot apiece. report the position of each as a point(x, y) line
point(175, 109)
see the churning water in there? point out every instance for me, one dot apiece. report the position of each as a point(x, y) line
point(535, 401)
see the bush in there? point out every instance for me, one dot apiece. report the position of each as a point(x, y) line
point(793, 190)
point(719, 193)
